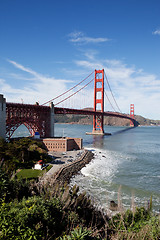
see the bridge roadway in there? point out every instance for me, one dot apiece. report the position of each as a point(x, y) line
point(40, 118)
point(59, 110)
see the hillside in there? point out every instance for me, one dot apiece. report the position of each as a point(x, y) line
point(111, 121)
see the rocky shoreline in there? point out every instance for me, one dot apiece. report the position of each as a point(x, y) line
point(62, 170)
point(67, 172)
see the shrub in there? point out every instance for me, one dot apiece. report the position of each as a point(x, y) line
point(34, 218)
point(139, 225)
point(79, 233)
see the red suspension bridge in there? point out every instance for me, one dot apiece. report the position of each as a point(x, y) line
point(41, 118)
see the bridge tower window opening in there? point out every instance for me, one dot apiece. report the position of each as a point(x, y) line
point(99, 95)
point(99, 75)
point(98, 108)
point(98, 84)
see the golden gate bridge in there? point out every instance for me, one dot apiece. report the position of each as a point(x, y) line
point(41, 117)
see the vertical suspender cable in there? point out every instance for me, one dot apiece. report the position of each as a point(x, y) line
point(112, 93)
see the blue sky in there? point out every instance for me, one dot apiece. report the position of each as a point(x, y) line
point(48, 46)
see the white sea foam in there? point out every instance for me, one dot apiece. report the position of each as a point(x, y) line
point(99, 178)
point(103, 166)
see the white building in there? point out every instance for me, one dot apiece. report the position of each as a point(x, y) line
point(39, 165)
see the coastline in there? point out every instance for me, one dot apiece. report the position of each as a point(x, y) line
point(66, 165)
point(62, 172)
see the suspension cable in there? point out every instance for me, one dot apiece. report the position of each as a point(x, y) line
point(111, 92)
point(108, 98)
point(74, 92)
point(109, 101)
point(68, 90)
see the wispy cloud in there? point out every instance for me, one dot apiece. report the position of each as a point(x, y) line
point(157, 32)
point(37, 76)
point(20, 77)
point(129, 85)
point(39, 87)
point(81, 38)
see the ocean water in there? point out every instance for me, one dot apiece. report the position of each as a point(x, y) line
point(127, 162)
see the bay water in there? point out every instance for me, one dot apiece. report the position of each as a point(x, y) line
point(128, 161)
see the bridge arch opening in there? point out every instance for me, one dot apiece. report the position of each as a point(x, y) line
point(21, 131)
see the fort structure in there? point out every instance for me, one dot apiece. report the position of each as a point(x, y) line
point(63, 144)
point(2, 116)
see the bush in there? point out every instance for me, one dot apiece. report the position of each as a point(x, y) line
point(139, 225)
point(34, 218)
point(79, 233)
point(5, 186)
point(21, 153)
point(13, 189)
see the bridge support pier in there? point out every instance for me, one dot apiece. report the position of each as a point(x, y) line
point(52, 120)
point(2, 117)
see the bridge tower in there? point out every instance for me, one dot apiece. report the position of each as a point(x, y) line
point(2, 117)
point(98, 102)
point(131, 114)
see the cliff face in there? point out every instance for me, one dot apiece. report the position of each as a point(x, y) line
point(111, 121)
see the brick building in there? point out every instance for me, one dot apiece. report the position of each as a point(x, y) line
point(63, 144)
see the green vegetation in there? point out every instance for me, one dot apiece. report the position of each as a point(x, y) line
point(12, 189)
point(29, 173)
point(21, 154)
point(43, 212)
point(78, 233)
point(141, 224)
point(32, 173)
point(34, 218)
point(34, 210)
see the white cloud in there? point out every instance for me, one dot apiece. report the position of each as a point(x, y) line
point(80, 38)
point(38, 88)
point(33, 73)
point(20, 77)
point(89, 65)
point(157, 32)
point(129, 85)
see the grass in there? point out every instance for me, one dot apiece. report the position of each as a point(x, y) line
point(31, 173)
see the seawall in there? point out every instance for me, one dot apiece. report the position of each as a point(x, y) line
point(65, 173)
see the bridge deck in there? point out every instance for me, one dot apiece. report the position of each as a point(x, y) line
point(60, 110)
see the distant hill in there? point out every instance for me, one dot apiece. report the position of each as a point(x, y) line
point(111, 121)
